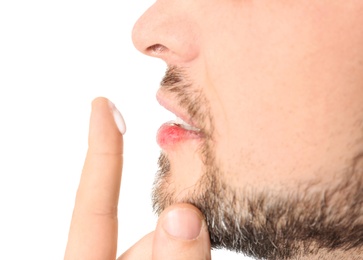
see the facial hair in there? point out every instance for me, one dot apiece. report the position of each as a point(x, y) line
point(263, 224)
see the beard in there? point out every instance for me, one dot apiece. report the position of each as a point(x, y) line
point(271, 225)
point(264, 224)
point(267, 224)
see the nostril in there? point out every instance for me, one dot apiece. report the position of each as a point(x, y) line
point(156, 49)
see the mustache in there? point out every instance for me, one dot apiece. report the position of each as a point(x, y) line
point(174, 79)
point(188, 96)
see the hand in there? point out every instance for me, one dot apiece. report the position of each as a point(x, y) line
point(181, 232)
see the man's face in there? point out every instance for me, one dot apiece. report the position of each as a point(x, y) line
point(276, 90)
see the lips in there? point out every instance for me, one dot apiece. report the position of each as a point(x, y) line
point(179, 130)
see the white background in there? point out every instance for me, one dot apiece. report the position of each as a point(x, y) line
point(55, 58)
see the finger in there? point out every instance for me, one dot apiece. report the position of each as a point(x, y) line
point(141, 250)
point(181, 234)
point(93, 232)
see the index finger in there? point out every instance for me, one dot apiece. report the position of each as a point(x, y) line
point(93, 231)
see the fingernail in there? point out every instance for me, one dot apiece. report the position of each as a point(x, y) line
point(183, 224)
point(119, 120)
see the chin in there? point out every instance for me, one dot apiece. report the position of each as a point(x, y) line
point(179, 173)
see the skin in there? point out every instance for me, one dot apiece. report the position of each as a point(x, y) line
point(288, 70)
point(283, 83)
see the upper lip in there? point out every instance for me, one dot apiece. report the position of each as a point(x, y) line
point(173, 107)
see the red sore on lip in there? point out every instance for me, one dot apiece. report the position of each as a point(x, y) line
point(171, 134)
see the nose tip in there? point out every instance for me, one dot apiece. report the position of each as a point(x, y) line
point(141, 37)
point(166, 33)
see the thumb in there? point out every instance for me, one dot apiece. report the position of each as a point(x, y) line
point(181, 234)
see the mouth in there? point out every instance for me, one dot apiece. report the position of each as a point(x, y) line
point(176, 131)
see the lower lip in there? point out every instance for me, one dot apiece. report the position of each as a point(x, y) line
point(170, 134)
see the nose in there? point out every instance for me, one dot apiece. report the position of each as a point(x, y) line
point(168, 31)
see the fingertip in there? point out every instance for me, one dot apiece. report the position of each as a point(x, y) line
point(182, 221)
point(183, 228)
point(104, 133)
point(99, 101)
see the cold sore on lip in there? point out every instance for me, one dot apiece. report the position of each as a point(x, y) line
point(170, 134)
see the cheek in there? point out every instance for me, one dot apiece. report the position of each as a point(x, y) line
point(259, 143)
point(287, 134)
point(275, 85)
